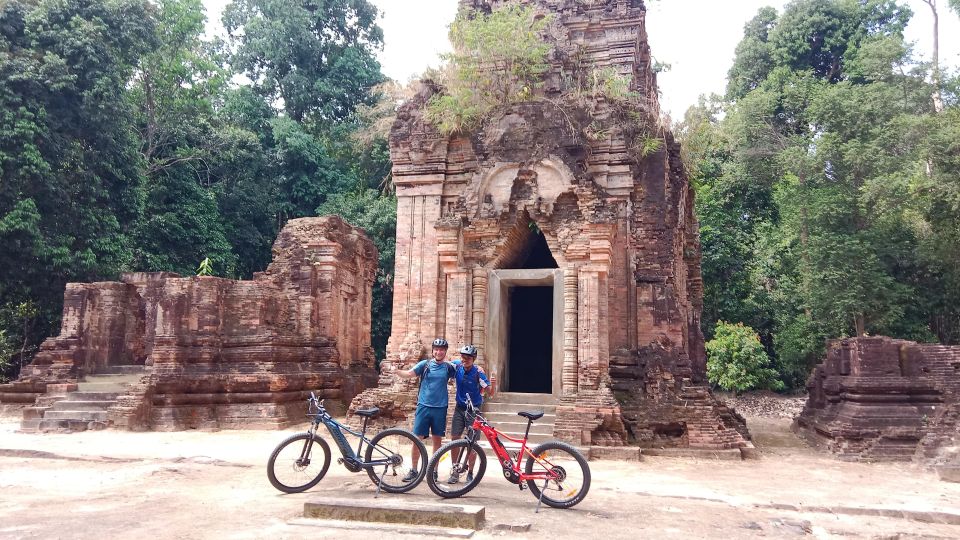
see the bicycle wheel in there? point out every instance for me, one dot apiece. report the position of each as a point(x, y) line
point(396, 445)
point(297, 464)
point(570, 471)
point(452, 462)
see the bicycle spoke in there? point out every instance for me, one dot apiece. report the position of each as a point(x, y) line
point(563, 479)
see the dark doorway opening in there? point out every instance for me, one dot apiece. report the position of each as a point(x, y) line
point(537, 253)
point(530, 355)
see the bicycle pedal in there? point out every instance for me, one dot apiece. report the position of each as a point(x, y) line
point(339, 461)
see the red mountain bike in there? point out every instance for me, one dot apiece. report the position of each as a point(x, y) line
point(555, 472)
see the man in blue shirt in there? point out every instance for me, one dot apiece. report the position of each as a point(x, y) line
point(432, 399)
point(472, 382)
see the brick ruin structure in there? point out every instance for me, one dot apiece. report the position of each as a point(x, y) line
point(882, 399)
point(219, 353)
point(570, 257)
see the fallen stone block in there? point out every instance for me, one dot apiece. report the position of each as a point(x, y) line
point(394, 511)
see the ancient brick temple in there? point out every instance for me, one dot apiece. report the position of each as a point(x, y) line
point(879, 398)
point(217, 352)
point(568, 256)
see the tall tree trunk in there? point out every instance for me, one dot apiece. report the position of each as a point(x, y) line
point(860, 323)
point(937, 93)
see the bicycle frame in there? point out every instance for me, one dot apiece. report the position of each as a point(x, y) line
point(480, 425)
point(336, 430)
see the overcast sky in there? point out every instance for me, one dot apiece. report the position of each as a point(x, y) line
point(697, 37)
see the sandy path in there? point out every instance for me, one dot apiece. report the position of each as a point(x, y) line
point(114, 484)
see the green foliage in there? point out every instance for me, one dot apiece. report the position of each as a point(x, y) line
point(70, 172)
point(317, 57)
point(498, 59)
point(126, 144)
point(6, 356)
point(737, 361)
point(827, 192)
point(611, 84)
point(205, 268)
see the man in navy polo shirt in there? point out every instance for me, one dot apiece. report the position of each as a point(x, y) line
point(472, 382)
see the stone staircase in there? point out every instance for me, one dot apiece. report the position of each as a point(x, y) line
point(84, 408)
point(501, 411)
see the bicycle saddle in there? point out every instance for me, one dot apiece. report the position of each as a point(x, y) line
point(368, 413)
point(532, 415)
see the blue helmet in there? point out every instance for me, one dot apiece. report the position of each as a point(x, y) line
point(441, 343)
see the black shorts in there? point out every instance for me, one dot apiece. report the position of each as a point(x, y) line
point(459, 423)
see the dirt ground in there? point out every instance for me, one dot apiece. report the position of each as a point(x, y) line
point(115, 484)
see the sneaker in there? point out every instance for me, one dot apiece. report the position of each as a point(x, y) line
point(411, 476)
point(469, 477)
point(454, 477)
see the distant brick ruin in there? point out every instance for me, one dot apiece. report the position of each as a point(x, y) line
point(570, 257)
point(219, 353)
point(883, 399)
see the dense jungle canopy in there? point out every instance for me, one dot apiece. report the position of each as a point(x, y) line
point(828, 176)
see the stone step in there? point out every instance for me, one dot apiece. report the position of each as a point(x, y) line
point(519, 397)
point(30, 426)
point(93, 396)
point(48, 400)
point(34, 413)
point(386, 510)
point(115, 379)
point(124, 370)
point(520, 427)
point(88, 416)
point(117, 388)
point(72, 405)
point(70, 425)
point(509, 417)
point(517, 407)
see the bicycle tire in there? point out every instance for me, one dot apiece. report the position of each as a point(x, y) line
point(433, 473)
point(371, 472)
point(272, 462)
point(577, 457)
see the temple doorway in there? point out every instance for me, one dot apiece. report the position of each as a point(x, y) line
point(529, 346)
point(525, 336)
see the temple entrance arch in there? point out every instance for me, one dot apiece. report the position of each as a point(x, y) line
point(525, 313)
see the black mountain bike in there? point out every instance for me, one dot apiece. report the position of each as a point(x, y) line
point(302, 460)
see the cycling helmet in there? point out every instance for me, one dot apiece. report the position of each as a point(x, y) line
point(469, 350)
point(440, 342)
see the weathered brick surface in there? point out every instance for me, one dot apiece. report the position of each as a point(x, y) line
point(619, 223)
point(223, 353)
point(879, 398)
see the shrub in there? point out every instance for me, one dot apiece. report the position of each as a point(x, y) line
point(498, 59)
point(6, 353)
point(737, 361)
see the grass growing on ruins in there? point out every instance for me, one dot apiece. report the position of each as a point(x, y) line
point(498, 59)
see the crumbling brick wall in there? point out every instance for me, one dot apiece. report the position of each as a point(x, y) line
point(225, 353)
point(877, 398)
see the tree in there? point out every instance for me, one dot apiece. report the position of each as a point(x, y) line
point(6, 354)
point(175, 91)
point(317, 57)
point(70, 172)
point(826, 194)
point(737, 361)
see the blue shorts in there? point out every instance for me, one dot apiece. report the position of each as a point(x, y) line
point(429, 419)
